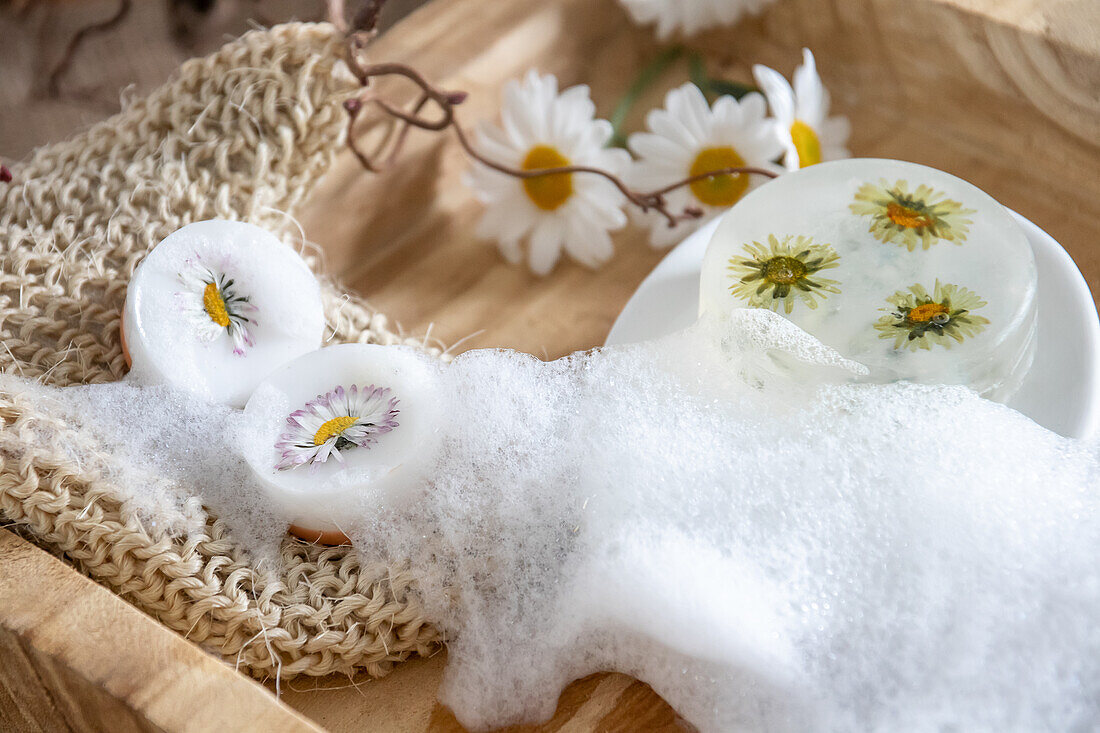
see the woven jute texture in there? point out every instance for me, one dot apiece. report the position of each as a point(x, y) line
point(241, 134)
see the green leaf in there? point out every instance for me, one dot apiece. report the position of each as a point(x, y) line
point(698, 74)
point(645, 79)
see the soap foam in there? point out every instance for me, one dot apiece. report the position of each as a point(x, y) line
point(721, 514)
point(166, 453)
point(766, 553)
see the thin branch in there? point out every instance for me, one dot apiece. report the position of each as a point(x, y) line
point(53, 83)
point(445, 102)
point(354, 107)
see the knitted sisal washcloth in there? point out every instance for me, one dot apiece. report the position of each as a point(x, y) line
point(241, 134)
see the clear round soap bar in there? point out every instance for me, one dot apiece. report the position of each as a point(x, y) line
point(908, 270)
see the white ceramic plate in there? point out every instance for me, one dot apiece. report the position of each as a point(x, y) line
point(1061, 392)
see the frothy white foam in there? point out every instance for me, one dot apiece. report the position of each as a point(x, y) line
point(720, 514)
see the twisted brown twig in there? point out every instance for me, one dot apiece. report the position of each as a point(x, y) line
point(359, 34)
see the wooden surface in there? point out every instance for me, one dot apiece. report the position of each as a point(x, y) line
point(1004, 94)
point(73, 656)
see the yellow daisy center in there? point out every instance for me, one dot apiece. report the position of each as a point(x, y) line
point(720, 190)
point(806, 144)
point(214, 304)
point(547, 192)
point(926, 312)
point(335, 426)
point(784, 270)
point(908, 217)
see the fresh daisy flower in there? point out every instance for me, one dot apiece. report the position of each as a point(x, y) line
point(917, 320)
point(570, 211)
point(808, 133)
point(214, 306)
point(778, 273)
point(689, 137)
point(691, 16)
point(914, 219)
point(337, 421)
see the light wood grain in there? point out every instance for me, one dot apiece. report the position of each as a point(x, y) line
point(405, 701)
point(1003, 93)
point(73, 656)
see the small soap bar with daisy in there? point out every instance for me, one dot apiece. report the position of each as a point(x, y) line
point(910, 271)
point(216, 306)
point(343, 429)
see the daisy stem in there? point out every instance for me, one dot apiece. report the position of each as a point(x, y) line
point(697, 72)
point(644, 81)
point(712, 87)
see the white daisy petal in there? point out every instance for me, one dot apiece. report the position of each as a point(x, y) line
point(545, 246)
point(779, 93)
point(813, 100)
point(649, 145)
point(690, 16)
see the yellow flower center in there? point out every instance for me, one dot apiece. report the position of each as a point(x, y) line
point(784, 270)
point(551, 191)
point(335, 426)
point(926, 312)
point(806, 144)
point(906, 216)
point(214, 304)
point(723, 189)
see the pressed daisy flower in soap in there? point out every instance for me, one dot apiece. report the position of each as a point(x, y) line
point(214, 303)
point(908, 270)
point(341, 430)
point(917, 319)
point(778, 274)
point(216, 306)
point(914, 218)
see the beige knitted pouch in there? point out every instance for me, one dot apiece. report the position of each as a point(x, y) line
point(242, 134)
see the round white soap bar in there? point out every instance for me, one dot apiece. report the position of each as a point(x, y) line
point(911, 271)
point(218, 305)
point(344, 428)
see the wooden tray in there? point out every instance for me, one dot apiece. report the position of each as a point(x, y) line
point(1006, 95)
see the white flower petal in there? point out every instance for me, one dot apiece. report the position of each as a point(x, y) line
point(649, 145)
point(545, 246)
point(812, 99)
point(690, 16)
point(780, 96)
